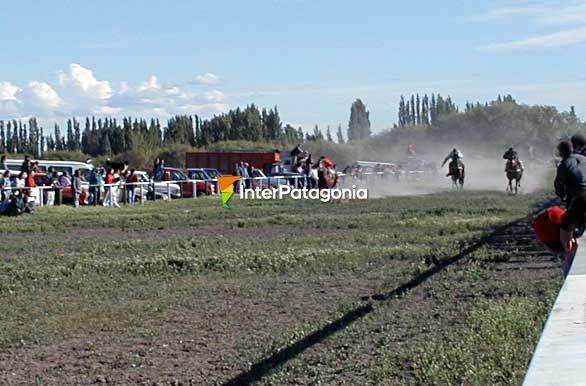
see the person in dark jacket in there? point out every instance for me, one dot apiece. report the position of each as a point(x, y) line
point(579, 144)
point(236, 172)
point(570, 179)
point(26, 165)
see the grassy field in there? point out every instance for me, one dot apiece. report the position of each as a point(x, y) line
point(445, 289)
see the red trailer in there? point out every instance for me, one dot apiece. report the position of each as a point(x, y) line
point(224, 160)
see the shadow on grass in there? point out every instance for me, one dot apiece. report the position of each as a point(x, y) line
point(271, 363)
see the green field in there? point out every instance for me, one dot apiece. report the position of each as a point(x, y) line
point(425, 290)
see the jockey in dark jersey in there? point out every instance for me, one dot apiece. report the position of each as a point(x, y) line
point(510, 154)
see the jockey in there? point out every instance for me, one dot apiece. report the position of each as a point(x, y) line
point(296, 150)
point(326, 162)
point(510, 154)
point(410, 149)
point(453, 156)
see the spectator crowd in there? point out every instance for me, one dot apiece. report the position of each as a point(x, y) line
point(23, 189)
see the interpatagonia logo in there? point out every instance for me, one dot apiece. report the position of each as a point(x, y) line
point(226, 186)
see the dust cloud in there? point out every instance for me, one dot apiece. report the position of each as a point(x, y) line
point(481, 174)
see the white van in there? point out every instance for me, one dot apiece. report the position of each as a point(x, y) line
point(60, 166)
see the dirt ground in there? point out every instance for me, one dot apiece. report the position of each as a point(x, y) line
point(356, 325)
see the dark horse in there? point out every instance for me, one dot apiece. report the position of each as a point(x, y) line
point(514, 171)
point(457, 173)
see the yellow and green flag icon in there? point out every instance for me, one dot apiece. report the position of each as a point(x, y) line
point(226, 186)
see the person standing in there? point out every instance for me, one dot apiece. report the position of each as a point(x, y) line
point(236, 172)
point(570, 180)
point(76, 186)
point(92, 181)
point(313, 177)
point(99, 186)
point(6, 186)
point(54, 187)
point(26, 164)
point(131, 185)
point(108, 181)
point(158, 171)
point(4, 163)
point(245, 175)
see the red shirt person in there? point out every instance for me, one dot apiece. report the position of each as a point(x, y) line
point(30, 180)
point(109, 178)
point(547, 226)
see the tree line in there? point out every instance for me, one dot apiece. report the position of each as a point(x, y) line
point(429, 122)
point(110, 136)
point(421, 118)
point(424, 110)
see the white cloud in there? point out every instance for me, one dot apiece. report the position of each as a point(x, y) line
point(82, 82)
point(41, 95)
point(540, 14)
point(565, 15)
point(123, 87)
point(77, 91)
point(544, 13)
point(557, 39)
point(8, 91)
point(507, 12)
point(151, 98)
point(152, 84)
point(214, 96)
point(208, 79)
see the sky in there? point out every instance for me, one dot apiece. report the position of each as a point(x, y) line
point(310, 58)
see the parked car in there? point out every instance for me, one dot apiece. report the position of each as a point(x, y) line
point(277, 169)
point(67, 194)
point(202, 187)
point(214, 173)
point(263, 182)
point(161, 189)
point(60, 166)
point(205, 174)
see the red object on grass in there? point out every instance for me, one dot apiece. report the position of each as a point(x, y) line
point(547, 224)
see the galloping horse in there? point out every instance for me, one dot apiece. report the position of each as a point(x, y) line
point(457, 172)
point(514, 171)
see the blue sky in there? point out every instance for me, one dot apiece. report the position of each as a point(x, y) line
point(309, 58)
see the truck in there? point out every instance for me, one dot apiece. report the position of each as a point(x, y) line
point(224, 160)
point(272, 163)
